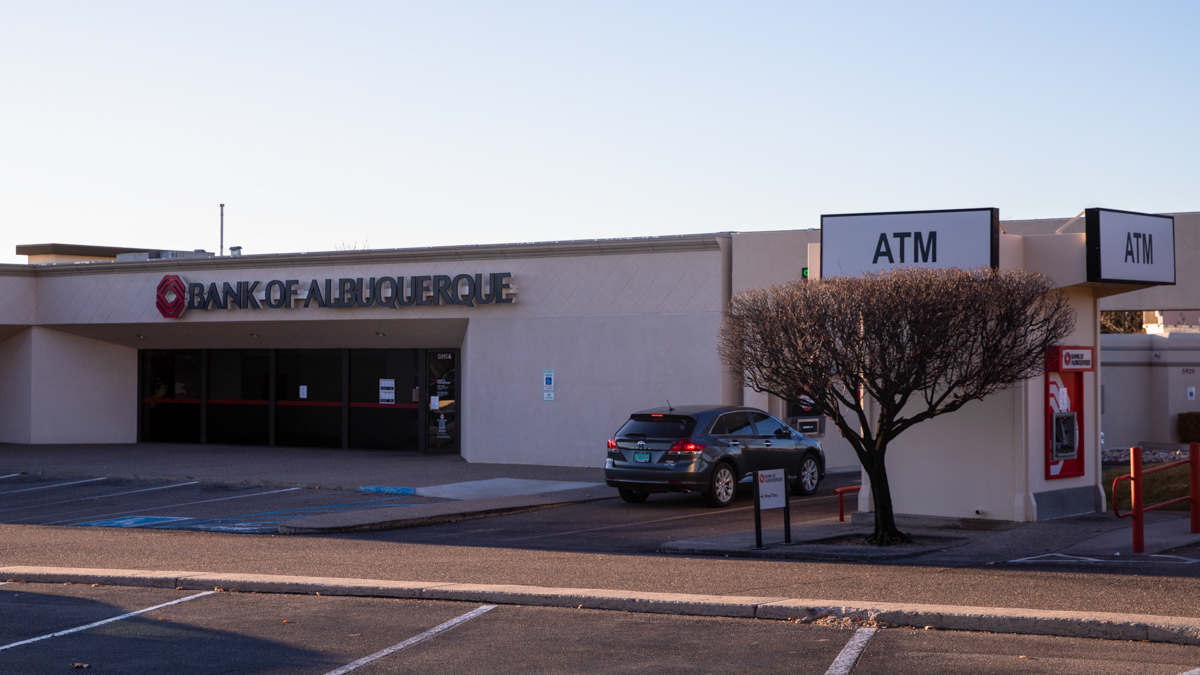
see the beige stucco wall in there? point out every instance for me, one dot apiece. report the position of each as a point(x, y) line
point(1145, 386)
point(83, 390)
point(604, 369)
point(16, 359)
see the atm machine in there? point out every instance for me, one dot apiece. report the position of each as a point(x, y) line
point(1065, 396)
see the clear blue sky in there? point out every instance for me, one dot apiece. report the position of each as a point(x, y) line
point(436, 123)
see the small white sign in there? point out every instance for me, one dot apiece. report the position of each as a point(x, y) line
point(547, 396)
point(434, 403)
point(1191, 393)
point(387, 391)
point(771, 486)
point(304, 391)
point(1076, 359)
point(548, 380)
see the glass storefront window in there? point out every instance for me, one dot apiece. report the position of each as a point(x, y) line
point(308, 397)
point(372, 398)
point(239, 396)
point(384, 411)
point(171, 395)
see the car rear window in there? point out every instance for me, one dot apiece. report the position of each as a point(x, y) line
point(658, 426)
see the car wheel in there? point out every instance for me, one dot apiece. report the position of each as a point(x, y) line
point(809, 477)
point(722, 486)
point(633, 496)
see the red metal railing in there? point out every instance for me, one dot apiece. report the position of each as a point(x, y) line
point(841, 493)
point(1138, 510)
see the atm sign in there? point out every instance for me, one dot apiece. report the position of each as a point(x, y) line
point(1070, 359)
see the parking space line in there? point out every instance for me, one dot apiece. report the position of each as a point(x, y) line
point(84, 499)
point(47, 487)
point(11, 475)
point(101, 623)
point(170, 506)
point(713, 512)
point(1193, 671)
point(844, 663)
point(440, 628)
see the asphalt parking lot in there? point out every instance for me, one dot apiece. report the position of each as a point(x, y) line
point(606, 525)
point(173, 504)
point(223, 632)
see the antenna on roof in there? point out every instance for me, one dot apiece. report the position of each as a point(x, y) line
point(669, 408)
point(221, 246)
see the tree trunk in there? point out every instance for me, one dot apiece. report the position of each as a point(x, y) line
point(886, 533)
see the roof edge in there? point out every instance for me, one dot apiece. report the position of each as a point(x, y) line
point(553, 249)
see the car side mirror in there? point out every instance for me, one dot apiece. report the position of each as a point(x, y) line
point(783, 433)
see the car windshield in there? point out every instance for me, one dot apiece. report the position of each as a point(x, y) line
point(657, 426)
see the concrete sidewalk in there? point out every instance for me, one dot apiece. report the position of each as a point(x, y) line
point(1094, 537)
point(1105, 625)
point(305, 467)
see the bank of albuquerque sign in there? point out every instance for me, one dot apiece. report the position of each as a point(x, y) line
point(174, 295)
point(1122, 247)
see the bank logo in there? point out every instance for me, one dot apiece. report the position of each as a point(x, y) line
point(170, 300)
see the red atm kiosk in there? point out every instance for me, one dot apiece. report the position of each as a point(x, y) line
point(1065, 367)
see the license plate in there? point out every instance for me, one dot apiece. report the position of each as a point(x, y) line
point(641, 457)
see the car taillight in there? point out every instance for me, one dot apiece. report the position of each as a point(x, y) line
point(685, 445)
point(612, 443)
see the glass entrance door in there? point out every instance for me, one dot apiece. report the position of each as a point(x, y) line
point(441, 396)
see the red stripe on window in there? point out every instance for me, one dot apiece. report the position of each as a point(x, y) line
point(412, 406)
point(322, 404)
point(223, 401)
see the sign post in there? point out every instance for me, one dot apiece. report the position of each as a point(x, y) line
point(770, 492)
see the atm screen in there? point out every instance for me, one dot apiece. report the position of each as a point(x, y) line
point(1064, 446)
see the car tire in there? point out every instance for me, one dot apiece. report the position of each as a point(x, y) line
point(722, 486)
point(633, 496)
point(809, 476)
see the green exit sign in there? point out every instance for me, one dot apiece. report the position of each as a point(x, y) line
point(804, 273)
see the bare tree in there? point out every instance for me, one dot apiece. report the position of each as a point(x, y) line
point(917, 342)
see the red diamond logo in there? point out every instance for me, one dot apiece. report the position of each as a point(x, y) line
point(170, 299)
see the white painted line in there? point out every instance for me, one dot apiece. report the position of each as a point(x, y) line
point(412, 640)
point(84, 499)
point(101, 623)
point(1193, 671)
point(11, 475)
point(47, 487)
point(709, 512)
point(170, 506)
point(845, 661)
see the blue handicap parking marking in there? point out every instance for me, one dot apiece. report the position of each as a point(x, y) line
point(268, 521)
point(131, 521)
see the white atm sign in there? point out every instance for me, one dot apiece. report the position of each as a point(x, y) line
point(852, 244)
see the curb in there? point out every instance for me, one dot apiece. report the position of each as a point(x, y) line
point(1103, 625)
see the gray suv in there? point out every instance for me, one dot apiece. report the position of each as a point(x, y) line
point(707, 449)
